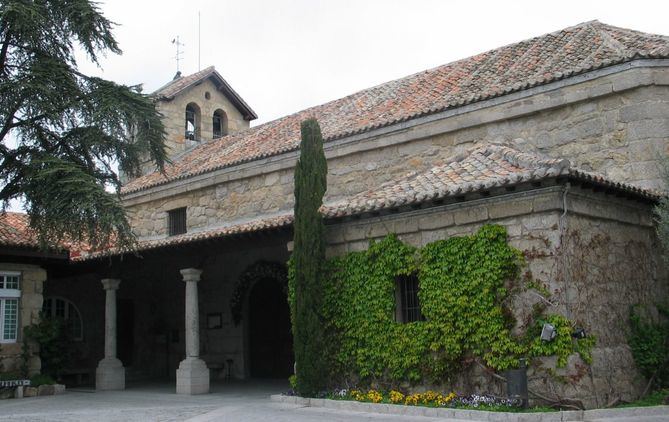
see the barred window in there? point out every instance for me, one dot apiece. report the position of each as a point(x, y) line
point(407, 307)
point(176, 221)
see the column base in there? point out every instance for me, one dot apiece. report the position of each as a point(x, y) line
point(110, 375)
point(192, 376)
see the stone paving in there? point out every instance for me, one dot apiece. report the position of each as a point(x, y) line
point(234, 401)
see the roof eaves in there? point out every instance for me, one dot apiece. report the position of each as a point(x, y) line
point(249, 114)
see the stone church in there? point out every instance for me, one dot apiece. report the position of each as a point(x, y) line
point(559, 138)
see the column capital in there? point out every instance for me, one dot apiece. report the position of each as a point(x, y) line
point(191, 274)
point(110, 283)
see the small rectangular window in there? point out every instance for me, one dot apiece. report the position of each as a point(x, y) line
point(176, 220)
point(406, 299)
point(10, 281)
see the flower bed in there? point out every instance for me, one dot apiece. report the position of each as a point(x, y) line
point(434, 399)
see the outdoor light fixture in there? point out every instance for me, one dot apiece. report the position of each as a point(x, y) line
point(579, 333)
point(548, 332)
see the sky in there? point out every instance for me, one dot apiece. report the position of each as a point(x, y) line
point(283, 56)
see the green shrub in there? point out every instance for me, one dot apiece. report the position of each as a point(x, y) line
point(54, 344)
point(10, 376)
point(649, 341)
point(40, 379)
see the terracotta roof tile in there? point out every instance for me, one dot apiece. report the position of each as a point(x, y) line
point(179, 84)
point(514, 67)
point(479, 169)
point(256, 225)
point(173, 87)
point(14, 230)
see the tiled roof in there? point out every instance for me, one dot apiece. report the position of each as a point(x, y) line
point(480, 169)
point(180, 83)
point(257, 225)
point(511, 68)
point(14, 230)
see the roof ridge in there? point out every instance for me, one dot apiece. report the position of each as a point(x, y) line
point(515, 67)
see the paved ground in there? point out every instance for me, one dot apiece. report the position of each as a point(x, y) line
point(158, 402)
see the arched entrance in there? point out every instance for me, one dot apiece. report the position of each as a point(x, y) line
point(270, 337)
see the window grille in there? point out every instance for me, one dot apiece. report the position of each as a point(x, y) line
point(176, 221)
point(407, 299)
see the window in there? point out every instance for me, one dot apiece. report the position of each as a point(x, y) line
point(10, 293)
point(176, 221)
point(56, 307)
point(219, 124)
point(192, 129)
point(406, 299)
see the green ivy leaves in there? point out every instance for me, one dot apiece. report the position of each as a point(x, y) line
point(462, 289)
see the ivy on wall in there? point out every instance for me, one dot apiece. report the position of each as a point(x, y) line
point(462, 292)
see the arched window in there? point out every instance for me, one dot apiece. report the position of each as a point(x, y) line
point(192, 128)
point(219, 123)
point(57, 307)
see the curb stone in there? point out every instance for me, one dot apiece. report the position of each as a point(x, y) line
point(474, 415)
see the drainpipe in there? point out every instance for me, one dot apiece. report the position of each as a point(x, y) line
point(563, 255)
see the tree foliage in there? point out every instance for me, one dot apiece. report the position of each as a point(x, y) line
point(308, 260)
point(62, 132)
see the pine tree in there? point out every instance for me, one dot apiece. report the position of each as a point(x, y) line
point(62, 132)
point(308, 259)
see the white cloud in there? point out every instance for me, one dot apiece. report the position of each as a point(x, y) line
point(285, 55)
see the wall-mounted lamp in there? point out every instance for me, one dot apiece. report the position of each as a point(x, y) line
point(579, 333)
point(548, 332)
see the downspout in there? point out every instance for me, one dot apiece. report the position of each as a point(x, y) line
point(563, 255)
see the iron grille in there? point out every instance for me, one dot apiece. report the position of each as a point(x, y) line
point(177, 221)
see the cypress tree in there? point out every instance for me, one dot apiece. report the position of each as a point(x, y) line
point(308, 259)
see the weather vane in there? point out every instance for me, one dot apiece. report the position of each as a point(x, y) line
point(180, 52)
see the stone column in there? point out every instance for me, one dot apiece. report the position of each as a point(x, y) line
point(110, 373)
point(193, 374)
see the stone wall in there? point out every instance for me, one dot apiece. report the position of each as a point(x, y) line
point(621, 133)
point(596, 261)
point(30, 306)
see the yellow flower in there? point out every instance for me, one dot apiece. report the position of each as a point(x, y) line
point(396, 397)
point(357, 395)
point(412, 399)
point(374, 396)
